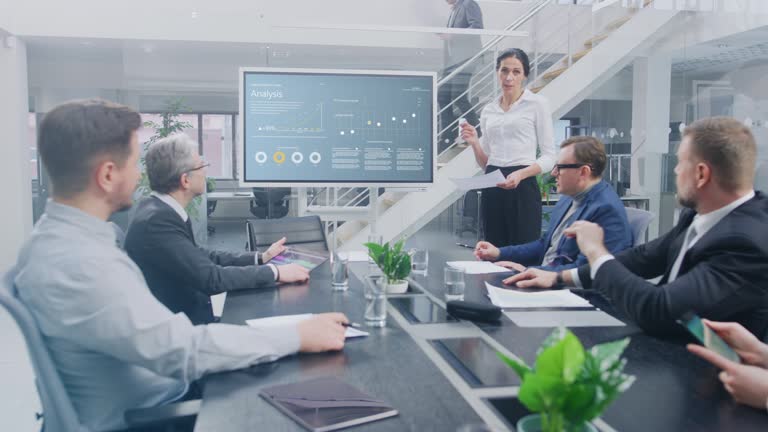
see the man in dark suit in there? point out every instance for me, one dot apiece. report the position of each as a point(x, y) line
point(714, 262)
point(584, 196)
point(465, 14)
point(179, 273)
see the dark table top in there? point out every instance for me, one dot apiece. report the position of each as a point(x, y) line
point(387, 365)
point(673, 391)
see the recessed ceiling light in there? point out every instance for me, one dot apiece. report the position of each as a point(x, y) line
point(195, 14)
point(86, 43)
point(723, 45)
point(148, 49)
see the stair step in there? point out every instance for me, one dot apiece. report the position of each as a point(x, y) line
point(590, 43)
point(537, 89)
point(549, 76)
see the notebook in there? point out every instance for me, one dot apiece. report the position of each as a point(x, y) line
point(326, 404)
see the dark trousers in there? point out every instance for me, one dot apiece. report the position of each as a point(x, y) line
point(449, 92)
point(511, 217)
point(181, 425)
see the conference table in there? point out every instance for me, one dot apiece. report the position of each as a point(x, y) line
point(443, 374)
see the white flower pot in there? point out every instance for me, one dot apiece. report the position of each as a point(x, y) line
point(398, 287)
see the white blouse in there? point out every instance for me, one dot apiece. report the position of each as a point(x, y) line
point(510, 138)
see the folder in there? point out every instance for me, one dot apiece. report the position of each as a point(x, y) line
point(326, 404)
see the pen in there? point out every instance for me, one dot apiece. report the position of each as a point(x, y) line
point(351, 324)
point(465, 245)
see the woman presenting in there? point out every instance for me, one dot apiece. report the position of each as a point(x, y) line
point(514, 127)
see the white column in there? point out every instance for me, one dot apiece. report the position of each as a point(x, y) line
point(650, 130)
point(14, 157)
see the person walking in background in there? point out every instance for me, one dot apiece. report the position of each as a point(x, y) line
point(465, 14)
point(515, 126)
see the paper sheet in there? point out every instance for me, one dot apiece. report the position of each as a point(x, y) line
point(281, 320)
point(479, 182)
point(478, 267)
point(566, 318)
point(355, 256)
point(506, 298)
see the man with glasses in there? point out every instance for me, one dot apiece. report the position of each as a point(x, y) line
point(714, 262)
point(181, 274)
point(583, 196)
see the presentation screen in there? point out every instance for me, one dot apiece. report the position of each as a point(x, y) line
point(306, 127)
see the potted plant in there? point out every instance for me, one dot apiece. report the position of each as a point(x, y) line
point(395, 264)
point(569, 386)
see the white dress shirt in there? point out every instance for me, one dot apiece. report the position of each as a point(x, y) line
point(701, 224)
point(511, 137)
point(176, 206)
point(115, 346)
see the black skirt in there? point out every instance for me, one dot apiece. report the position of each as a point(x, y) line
point(511, 217)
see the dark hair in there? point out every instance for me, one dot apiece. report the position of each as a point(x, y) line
point(75, 134)
point(515, 53)
point(728, 146)
point(588, 150)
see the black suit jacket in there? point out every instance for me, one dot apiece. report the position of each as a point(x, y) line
point(723, 277)
point(180, 274)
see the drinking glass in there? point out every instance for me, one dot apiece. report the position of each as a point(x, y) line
point(419, 261)
point(375, 301)
point(454, 283)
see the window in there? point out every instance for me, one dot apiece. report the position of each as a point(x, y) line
point(216, 139)
point(217, 144)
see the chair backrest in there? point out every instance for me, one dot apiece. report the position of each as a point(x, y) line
point(119, 235)
point(305, 231)
point(58, 412)
point(638, 223)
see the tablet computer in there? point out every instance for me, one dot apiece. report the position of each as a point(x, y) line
point(309, 259)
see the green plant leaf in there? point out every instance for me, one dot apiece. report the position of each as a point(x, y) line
point(564, 359)
point(541, 392)
point(520, 368)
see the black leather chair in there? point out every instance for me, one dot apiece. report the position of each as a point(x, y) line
point(306, 232)
point(270, 203)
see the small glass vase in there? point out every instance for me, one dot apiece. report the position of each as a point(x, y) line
point(532, 423)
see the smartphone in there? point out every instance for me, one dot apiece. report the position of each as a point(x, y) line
point(708, 337)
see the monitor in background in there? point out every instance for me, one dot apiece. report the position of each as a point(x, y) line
point(305, 127)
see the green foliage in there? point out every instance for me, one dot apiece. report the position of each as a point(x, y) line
point(568, 385)
point(393, 261)
point(546, 182)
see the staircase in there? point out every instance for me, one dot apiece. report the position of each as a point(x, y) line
point(566, 83)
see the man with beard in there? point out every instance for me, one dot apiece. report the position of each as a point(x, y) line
point(115, 346)
point(714, 262)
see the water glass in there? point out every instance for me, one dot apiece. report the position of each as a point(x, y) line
point(339, 273)
point(419, 261)
point(454, 283)
point(375, 301)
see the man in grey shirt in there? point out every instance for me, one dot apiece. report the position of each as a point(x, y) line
point(114, 345)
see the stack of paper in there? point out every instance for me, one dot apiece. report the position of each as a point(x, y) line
point(507, 298)
point(477, 267)
point(282, 320)
point(479, 182)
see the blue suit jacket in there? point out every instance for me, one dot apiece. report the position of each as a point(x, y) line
point(601, 206)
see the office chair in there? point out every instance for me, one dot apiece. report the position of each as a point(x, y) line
point(119, 235)
point(639, 220)
point(270, 203)
point(306, 232)
point(59, 414)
